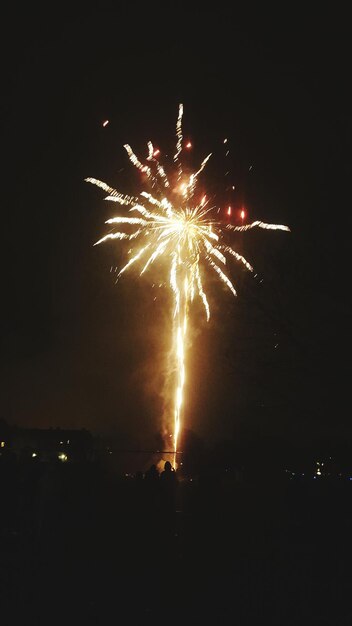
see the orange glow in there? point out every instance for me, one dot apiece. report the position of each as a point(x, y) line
point(188, 145)
point(243, 214)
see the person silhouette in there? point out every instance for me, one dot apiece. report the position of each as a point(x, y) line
point(152, 488)
point(152, 474)
point(168, 482)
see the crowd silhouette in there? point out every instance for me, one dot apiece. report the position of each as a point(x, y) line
point(79, 535)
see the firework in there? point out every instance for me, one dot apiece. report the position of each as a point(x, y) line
point(183, 233)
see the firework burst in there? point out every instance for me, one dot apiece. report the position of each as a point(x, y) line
point(183, 233)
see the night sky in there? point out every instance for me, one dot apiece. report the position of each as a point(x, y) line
point(79, 350)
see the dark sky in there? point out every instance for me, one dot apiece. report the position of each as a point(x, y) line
point(80, 351)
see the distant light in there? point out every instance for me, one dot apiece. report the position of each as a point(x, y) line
point(225, 140)
point(34, 454)
point(229, 211)
point(242, 214)
point(62, 457)
point(68, 441)
point(105, 123)
point(233, 187)
point(61, 442)
point(188, 145)
point(2, 444)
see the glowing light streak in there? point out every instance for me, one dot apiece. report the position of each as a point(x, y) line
point(179, 139)
point(260, 225)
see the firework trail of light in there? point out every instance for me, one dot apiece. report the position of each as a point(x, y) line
point(185, 235)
